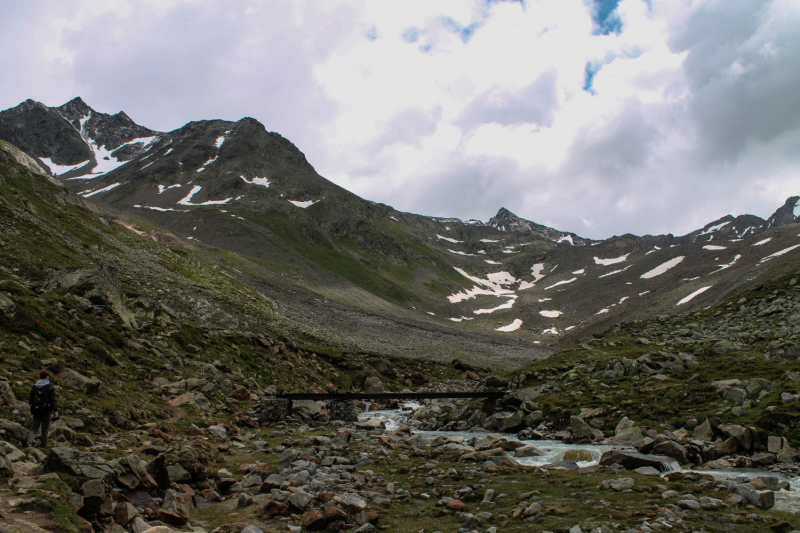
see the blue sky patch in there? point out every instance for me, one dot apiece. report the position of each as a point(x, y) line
point(411, 35)
point(465, 32)
point(592, 68)
point(605, 17)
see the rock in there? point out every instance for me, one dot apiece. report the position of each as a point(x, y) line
point(351, 500)
point(671, 449)
point(219, 432)
point(488, 441)
point(179, 502)
point(244, 500)
point(703, 432)
point(248, 529)
point(763, 499)
point(94, 495)
point(630, 436)
point(334, 514)
point(373, 384)
point(514, 422)
point(78, 381)
point(688, 505)
point(620, 484)
point(138, 525)
point(101, 285)
point(14, 430)
point(240, 395)
point(178, 474)
point(581, 431)
point(314, 520)
point(711, 503)
point(529, 450)
point(301, 500)
point(756, 385)
point(286, 458)
point(171, 518)
point(632, 460)
point(383, 367)
point(763, 459)
point(734, 395)
point(647, 471)
point(124, 513)
point(578, 455)
point(787, 502)
point(273, 508)
point(774, 444)
point(455, 505)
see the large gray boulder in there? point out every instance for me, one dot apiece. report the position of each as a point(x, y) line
point(76, 380)
point(101, 285)
point(633, 460)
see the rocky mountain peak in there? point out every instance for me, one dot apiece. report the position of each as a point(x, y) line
point(786, 214)
point(75, 109)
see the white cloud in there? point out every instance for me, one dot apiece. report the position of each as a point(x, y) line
point(457, 108)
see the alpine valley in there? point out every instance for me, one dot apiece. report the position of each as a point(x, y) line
point(171, 281)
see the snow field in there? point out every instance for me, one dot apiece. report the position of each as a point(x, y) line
point(660, 269)
point(611, 260)
point(515, 325)
point(695, 293)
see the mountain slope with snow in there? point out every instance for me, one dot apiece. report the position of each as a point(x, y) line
point(328, 256)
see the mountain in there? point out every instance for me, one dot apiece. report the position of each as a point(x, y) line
point(388, 281)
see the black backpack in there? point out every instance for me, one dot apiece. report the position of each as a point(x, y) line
point(40, 404)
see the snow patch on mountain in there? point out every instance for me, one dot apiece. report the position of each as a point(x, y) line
point(765, 241)
point(723, 267)
point(448, 239)
point(187, 200)
point(207, 163)
point(57, 170)
point(614, 272)
point(551, 314)
point(660, 269)
point(306, 204)
point(98, 191)
point(493, 262)
point(221, 139)
point(514, 326)
point(695, 293)
point(508, 305)
point(713, 247)
point(488, 240)
point(264, 182)
point(565, 282)
point(536, 272)
point(581, 271)
point(459, 252)
point(611, 260)
point(161, 188)
point(486, 287)
point(777, 254)
point(712, 229)
point(501, 278)
point(565, 238)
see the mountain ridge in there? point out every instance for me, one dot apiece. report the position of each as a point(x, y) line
point(240, 188)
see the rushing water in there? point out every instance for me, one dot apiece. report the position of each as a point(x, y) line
point(553, 451)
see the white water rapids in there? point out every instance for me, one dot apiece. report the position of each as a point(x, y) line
point(553, 451)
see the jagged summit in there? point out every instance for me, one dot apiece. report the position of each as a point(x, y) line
point(508, 222)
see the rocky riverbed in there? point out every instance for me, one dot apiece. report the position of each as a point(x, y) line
point(365, 476)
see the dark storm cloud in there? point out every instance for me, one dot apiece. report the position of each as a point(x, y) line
point(744, 81)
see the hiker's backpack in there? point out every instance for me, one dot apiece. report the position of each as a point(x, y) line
point(40, 405)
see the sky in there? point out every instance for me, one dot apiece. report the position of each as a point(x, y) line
point(600, 117)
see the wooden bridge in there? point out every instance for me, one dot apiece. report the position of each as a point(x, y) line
point(387, 395)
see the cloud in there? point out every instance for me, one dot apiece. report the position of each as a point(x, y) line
point(533, 104)
point(594, 116)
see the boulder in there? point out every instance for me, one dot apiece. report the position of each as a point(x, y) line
point(124, 513)
point(240, 394)
point(703, 432)
point(620, 484)
point(672, 449)
point(351, 500)
point(14, 430)
point(373, 384)
point(633, 460)
point(581, 431)
point(529, 450)
point(99, 285)
point(727, 447)
point(180, 502)
point(383, 367)
point(314, 520)
point(78, 381)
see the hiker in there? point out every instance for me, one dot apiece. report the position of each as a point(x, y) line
point(43, 405)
